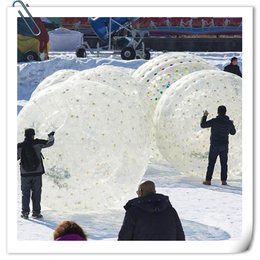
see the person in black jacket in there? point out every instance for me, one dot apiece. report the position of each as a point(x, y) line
point(31, 169)
point(150, 217)
point(233, 67)
point(221, 127)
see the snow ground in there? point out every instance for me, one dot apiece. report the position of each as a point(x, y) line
point(207, 212)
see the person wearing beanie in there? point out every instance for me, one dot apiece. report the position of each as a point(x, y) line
point(233, 67)
point(31, 170)
point(221, 127)
point(69, 231)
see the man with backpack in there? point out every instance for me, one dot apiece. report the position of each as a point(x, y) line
point(31, 169)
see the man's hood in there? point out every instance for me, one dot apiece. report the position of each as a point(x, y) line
point(223, 118)
point(153, 203)
point(28, 139)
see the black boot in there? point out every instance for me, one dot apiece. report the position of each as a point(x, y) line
point(25, 215)
point(37, 215)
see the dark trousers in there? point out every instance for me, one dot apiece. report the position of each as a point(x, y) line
point(31, 186)
point(216, 150)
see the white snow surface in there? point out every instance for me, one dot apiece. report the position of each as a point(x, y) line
point(206, 212)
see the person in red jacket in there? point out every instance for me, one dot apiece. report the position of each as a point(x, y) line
point(150, 216)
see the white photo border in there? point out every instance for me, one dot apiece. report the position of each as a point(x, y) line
point(15, 246)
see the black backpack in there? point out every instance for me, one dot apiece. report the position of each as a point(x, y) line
point(29, 159)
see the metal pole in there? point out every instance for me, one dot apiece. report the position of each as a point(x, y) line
point(97, 49)
point(86, 43)
point(109, 43)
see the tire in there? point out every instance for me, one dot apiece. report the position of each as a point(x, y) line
point(147, 55)
point(128, 53)
point(30, 56)
point(81, 53)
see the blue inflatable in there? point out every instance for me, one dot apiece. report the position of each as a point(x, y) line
point(100, 25)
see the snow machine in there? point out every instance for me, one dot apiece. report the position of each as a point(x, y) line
point(107, 28)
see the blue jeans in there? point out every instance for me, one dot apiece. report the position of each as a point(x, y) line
point(216, 150)
point(31, 186)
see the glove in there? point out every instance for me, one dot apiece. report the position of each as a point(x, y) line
point(205, 113)
point(52, 133)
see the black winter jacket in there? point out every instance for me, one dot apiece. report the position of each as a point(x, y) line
point(151, 217)
point(221, 127)
point(233, 69)
point(38, 145)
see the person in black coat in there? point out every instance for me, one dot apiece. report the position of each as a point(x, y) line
point(150, 217)
point(221, 127)
point(32, 169)
point(233, 67)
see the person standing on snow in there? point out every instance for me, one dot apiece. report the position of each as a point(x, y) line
point(233, 67)
point(31, 169)
point(221, 127)
point(150, 217)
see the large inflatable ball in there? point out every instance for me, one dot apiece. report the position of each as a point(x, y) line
point(158, 74)
point(114, 77)
point(179, 136)
point(101, 149)
point(57, 77)
point(127, 70)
